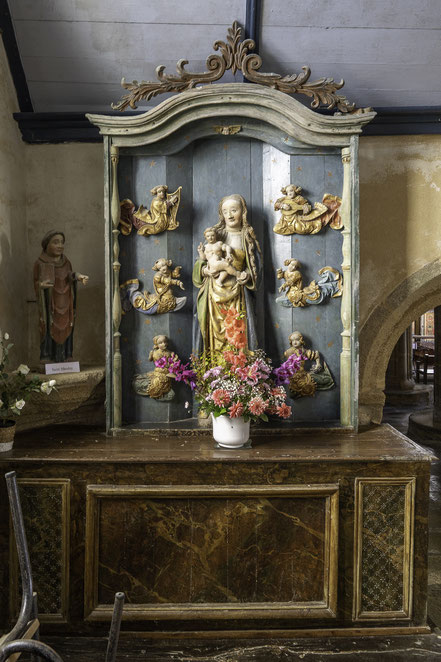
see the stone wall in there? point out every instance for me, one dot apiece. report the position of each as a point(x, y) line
point(13, 248)
point(400, 245)
point(65, 192)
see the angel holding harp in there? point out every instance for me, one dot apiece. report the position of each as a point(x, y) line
point(160, 217)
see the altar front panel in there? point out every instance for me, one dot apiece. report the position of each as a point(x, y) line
point(236, 551)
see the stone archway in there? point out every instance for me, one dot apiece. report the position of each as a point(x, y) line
point(381, 331)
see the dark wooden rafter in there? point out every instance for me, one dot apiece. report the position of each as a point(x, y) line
point(252, 22)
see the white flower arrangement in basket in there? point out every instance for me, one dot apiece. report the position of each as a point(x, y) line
point(15, 389)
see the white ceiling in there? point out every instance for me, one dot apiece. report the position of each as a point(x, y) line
point(75, 52)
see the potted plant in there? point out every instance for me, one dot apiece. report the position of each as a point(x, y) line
point(236, 386)
point(15, 389)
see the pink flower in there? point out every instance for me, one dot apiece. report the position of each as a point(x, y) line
point(239, 339)
point(284, 411)
point(242, 373)
point(236, 410)
point(278, 392)
point(252, 376)
point(220, 397)
point(237, 360)
point(257, 406)
point(262, 368)
point(235, 328)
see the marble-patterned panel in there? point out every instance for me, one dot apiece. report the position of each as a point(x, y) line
point(212, 550)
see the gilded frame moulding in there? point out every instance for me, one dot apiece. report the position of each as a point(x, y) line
point(235, 55)
point(327, 608)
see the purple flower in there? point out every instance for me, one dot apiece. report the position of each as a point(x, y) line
point(189, 377)
point(288, 368)
point(213, 372)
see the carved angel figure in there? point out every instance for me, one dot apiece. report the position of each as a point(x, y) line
point(304, 382)
point(328, 285)
point(158, 383)
point(298, 217)
point(163, 300)
point(160, 217)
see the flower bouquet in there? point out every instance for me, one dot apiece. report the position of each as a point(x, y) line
point(15, 389)
point(236, 386)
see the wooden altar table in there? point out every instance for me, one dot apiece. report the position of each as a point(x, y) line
point(309, 531)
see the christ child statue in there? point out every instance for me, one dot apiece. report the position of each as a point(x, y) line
point(219, 258)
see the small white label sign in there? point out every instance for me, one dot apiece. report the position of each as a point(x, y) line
point(61, 368)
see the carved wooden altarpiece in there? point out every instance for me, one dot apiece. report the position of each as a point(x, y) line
point(254, 140)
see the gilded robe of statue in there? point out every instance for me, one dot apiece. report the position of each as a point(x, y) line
point(237, 291)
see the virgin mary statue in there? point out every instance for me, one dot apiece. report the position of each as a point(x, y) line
point(227, 274)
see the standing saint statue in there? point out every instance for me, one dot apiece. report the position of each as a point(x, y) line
point(237, 284)
point(55, 287)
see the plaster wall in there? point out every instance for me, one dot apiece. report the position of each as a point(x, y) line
point(65, 192)
point(13, 255)
point(400, 212)
point(400, 246)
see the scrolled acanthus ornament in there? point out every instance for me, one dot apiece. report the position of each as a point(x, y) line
point(235, 55)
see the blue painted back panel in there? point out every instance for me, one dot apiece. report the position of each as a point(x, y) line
point(207, 170)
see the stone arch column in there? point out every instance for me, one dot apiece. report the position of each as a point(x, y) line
point(381, 331)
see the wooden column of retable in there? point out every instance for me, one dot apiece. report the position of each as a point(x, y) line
point(437, 372)
point(117, 366)
point(346, 313)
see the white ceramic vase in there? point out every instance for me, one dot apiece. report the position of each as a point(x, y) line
point(230, 432)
